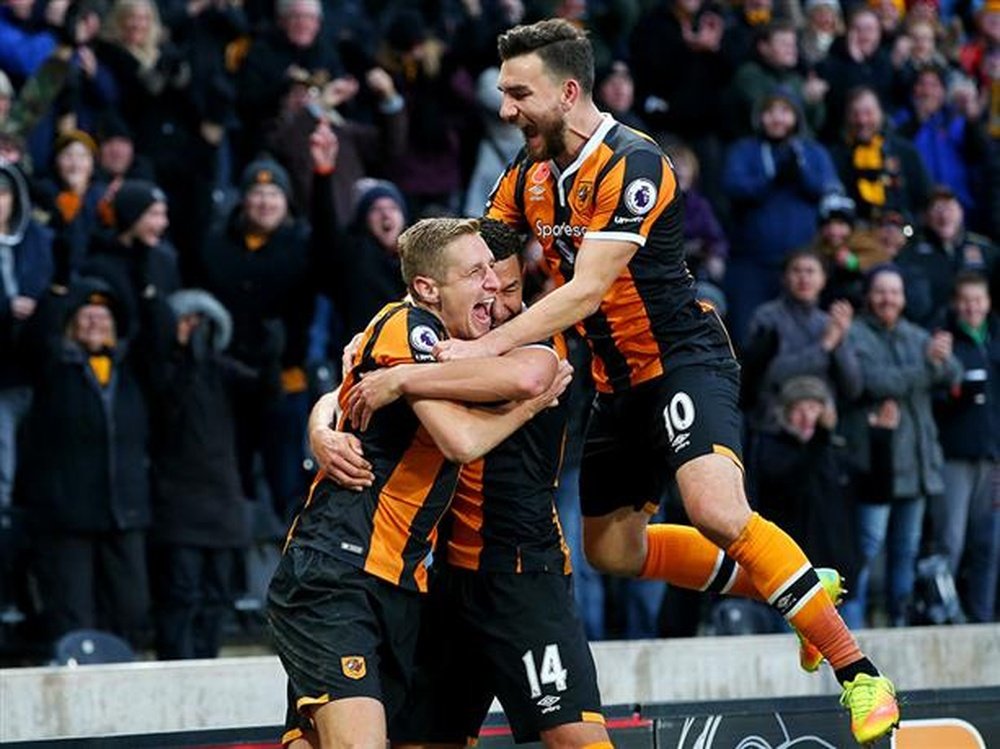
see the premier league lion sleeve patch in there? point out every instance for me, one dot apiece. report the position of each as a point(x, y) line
point(631, 196)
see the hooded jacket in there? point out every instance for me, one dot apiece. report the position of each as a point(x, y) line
point(25, 270)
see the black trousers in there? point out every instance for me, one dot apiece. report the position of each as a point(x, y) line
point(94, 580)
point(194, 596)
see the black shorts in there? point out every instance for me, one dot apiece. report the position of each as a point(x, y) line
point(341, 632)
point(517, 637)
point(636, 440)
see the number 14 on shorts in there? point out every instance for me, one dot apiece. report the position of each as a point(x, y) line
point(551, 670)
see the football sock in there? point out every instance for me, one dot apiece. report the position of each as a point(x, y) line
point(782, 573)
point(681, 556)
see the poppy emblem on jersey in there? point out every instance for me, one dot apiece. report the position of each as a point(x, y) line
point(353, 666)
point(640, 196)
point(542, 173)
point(583, 194)
point(423, 339)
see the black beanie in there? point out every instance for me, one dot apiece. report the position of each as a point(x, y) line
point(132, 200)
point(367, 191)
point(265, 172)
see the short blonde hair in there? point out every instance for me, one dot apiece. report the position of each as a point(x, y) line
point(422, 246)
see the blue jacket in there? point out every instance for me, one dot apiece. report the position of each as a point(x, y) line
point(775, 205)
point(22, 49)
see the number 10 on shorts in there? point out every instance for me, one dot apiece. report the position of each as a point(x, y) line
point(551, 671)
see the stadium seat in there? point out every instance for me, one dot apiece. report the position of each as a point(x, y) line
point(84, 647)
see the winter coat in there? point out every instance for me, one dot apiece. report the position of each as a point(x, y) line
point(843, 73)
point(752, 81)
point(930, 268)
point(85, 462)
point(894, 365)
point(198, 498)
point(798, 330)
point(775, 191)
point(968, 415)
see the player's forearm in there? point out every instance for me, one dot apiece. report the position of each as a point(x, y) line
point(324, 413)
point(552, 314)
point(464, 434)
point(517, 376)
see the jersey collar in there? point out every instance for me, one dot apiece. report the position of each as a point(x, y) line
point(589, 147)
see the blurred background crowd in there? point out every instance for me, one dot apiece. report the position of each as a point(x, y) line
point(199, 203)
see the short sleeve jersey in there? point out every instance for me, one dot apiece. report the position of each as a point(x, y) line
point(503, 517)
point(389, 529)
point(620, 187)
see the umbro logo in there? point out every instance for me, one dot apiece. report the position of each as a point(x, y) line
point(680, 441)
point(549, 703)
point(784, 603)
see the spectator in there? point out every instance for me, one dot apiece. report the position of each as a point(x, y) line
point(25, 42)
point(805, 340)
point(774, 64)
point(945, 249)
point(706, 247)
point(913, 51)
point(498, 146)
point(950, 141)
point(966, 517)
point(72, 199)
point(614, 92)
point(847, 252)
point(900, 364)
point(25, 272)
point(880, 170)
point(855, 59)
point(86, 482)
point(366, 274)
point(134, 254)
point(364, 148)
point(440, 102)
point(200, 522)
point(117, 159)
point(803, 479)
point(824, 23)
point(677, 56)
point(775, 181)
point(262, 265)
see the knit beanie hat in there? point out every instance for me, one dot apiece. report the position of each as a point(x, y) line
point(265, 172)
point(368, 190)
point(132, 200)
point(803, 388)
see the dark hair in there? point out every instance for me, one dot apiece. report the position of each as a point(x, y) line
point(767, 31)
point(877, 270)
point(502, 240)
point(969, 278)
point(564, 49)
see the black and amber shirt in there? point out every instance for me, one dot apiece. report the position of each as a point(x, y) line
point(389, 529)
point(620, 187)
point(503, 517)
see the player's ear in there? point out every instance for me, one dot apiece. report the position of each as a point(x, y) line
point(570, 94)
point(425, 289)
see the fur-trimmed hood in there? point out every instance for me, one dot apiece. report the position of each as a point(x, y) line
point(198, 301)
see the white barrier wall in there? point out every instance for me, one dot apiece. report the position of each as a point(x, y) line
point(39, 703)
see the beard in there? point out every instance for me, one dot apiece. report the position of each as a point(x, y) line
point(553, 135)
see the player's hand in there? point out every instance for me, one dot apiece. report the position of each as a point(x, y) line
point(347, 358)
point(452, 348)
point(340, 456)
point(375, 390)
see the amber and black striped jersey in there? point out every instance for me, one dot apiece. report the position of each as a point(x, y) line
point(503, 517)
point(621, 187)
point(389, 529)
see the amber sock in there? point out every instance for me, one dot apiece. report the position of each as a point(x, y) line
point(782, 573)
point(681, 556)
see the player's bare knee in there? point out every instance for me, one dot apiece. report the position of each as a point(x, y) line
point(616, 544)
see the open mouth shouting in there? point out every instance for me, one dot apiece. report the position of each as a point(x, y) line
point(482, 314)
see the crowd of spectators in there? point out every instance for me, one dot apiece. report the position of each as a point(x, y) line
point(200, 201)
